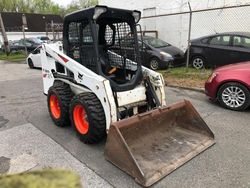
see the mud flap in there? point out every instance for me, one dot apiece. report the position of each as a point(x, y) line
point(151, 145)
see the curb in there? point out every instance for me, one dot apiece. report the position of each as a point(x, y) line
point(201, 90)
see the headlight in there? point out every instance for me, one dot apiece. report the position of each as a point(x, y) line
point(165, 54)
point(211, 77)
point(137, 15)
point(98, 11)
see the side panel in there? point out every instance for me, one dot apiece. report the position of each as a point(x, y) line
point(158, 81)
point(131, 96)
point(48, 64)
point(82, 76)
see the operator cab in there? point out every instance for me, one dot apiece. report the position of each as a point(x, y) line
point(105, 41)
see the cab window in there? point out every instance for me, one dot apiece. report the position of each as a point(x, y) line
point(220, 40)
point(242, 42)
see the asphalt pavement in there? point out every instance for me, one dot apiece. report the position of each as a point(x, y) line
point(226, 164)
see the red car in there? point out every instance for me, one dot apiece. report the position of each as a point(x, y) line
point(230, 85)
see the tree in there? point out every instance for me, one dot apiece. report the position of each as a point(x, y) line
point(87, 3)
point(30, 6)
point(80, 4)
point(43, 6)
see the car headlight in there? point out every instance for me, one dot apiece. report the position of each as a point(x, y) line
point(211, 77)
point(165, 54)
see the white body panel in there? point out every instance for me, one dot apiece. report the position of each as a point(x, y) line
point(36, 59)
point(157, 80)
point(132, 96)
point(88, 81)
point(47, 65)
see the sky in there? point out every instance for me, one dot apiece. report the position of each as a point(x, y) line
point(62, 2)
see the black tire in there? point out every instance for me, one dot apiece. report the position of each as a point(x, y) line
point(154, 63)
point(198, 62)
point(30, 63)
point(243, 92)
point(94, 116)
point(64, 95)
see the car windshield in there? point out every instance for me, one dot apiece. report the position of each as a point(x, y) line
point(44, 38)
point(36, 40)
point(154, 42)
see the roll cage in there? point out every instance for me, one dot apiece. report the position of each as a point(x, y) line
point(97, 39)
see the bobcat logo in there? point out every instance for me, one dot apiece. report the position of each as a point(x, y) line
point(80, 76)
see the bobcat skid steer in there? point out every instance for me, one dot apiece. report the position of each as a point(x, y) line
point(95, 82)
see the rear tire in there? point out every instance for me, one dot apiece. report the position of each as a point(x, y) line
point(87, 116)
point(198, 62)
point(58, 100)
point(30, 63)
point(234, 96)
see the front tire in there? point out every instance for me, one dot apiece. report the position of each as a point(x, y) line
point(58, 100)
point(154, 64)
point(30, 63)
point(87, 116)
point(234, 96)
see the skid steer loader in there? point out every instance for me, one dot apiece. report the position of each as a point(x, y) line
point(95, 82)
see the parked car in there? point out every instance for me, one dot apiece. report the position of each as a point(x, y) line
point(158, 54)
point(44, 39)
point(18, 45)
point(220, 49)
point(230, 85)
point(34, 40)
point(155, 53)
point(12, 46)
point(34, 58)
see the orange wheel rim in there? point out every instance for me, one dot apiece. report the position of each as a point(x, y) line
point(80, 119)
point(54, 106)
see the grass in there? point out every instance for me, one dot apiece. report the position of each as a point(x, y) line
point(13, 57)
point(41, 179)
point(186, 77)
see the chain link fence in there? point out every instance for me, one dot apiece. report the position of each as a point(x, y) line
point(13, 29)
point(220, 20)
point(174, 28)
point(55, 29)
point(52, 30)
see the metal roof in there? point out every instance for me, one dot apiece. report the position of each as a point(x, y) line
point(35, 22)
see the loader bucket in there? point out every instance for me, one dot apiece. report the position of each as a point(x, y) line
point(151, 145)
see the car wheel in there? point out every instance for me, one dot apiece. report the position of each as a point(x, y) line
point(30, 63)
point(198, 62)
point(234, 96)
point(154, 64)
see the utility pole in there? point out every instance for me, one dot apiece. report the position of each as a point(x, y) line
point(4, 35)
point(46, 29)
point(53, 31)
point(189, 34)
point(24, 27)
point(46, 26)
